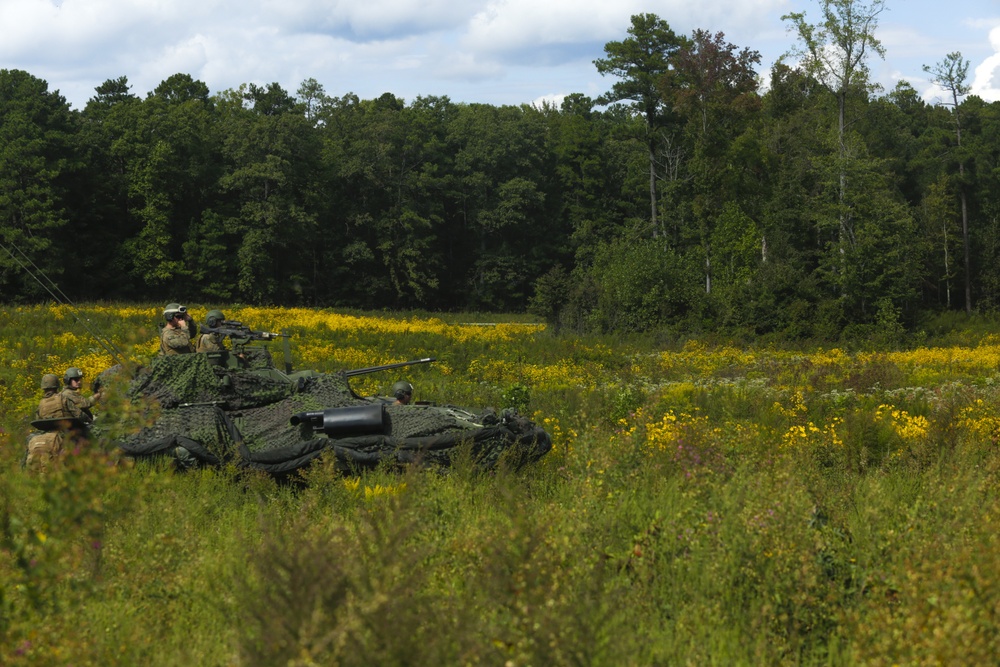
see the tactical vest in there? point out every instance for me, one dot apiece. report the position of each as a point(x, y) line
point(54, 407)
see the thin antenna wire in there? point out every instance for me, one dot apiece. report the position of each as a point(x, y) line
point(62, 299)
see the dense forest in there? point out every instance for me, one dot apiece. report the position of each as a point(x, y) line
point(689, 197)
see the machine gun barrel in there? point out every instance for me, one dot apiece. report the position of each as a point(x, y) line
point(242, 331)
point(385, 367)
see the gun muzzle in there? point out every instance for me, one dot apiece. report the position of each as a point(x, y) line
point(314, 419)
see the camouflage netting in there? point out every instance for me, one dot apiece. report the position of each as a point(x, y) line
point(190, 379)
point(217, 415)
point(204, 430)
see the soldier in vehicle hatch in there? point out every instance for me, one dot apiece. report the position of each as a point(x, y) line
point(403, 392)
point(211, 342)
point(175, 338)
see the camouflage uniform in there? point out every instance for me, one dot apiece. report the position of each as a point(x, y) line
point(55, 405)
point(210, 342)
point(177, 339)
point(174, 341)
point(43, 448)
point(80, 405)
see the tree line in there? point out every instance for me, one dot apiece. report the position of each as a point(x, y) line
point(687, 197)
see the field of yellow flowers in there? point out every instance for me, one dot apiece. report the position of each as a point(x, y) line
point(703, 504)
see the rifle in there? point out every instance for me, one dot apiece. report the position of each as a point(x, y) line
point(385, 367)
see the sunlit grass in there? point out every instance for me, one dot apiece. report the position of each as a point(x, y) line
point(725, 505)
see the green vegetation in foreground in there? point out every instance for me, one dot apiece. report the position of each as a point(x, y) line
point(709, 505)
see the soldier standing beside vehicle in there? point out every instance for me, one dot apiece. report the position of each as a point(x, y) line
point(54, 416)
point(74, 380)
point(211, 342)
point(175, 338)
point(53, 404)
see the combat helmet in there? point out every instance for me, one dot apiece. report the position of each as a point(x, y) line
point(214, 318)
point(50, 381)
point(172, 310)
point(402, 388)
point(72, 373)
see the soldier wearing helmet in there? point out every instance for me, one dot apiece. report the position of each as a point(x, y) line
point(74, 380)
point(50, 383)
point(53, 404)
point(403, 392)
point(211, 342)
point(178, 331)
point(56, 416)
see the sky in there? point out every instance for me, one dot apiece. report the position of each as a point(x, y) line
point(490, 51)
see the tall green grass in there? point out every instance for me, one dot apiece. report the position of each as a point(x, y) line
point(709, 540)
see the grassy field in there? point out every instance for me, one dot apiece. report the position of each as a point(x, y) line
point(703, 504)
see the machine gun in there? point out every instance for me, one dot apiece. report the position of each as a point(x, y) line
point(386, 367)
point(238, 330)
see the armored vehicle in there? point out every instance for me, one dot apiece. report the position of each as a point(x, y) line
point(209, 409)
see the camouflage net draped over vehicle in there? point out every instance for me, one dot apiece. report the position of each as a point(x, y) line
point(212, 414)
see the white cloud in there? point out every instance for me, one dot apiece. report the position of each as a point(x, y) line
point(553, 100)
point(512, 27)
point(466, 67)
point(500, 51)
point(365, 20)
point(986, 80)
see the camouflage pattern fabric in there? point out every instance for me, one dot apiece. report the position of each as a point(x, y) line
point(209, 343)
point(55, 406)
point(175, 380)
point(81, 405)
point(210, 414)
point(174, 341)
point(204, 430)
point(62, 422)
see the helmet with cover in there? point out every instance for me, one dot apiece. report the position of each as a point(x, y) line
point(173, 310)
point(214, 318)
point(402, 389)
point(50, 381)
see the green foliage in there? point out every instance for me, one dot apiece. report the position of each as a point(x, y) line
point(623, 404)
point(788, 213)
point(37, 156)
point(640, 285)
point(551, 295)
point(518, 397)
point(728, 505)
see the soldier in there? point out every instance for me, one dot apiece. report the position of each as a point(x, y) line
point(74, 380)
point(175, 338)
point(403, 391)
point(55, 414)
point(53, 404)
point(211, 342)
